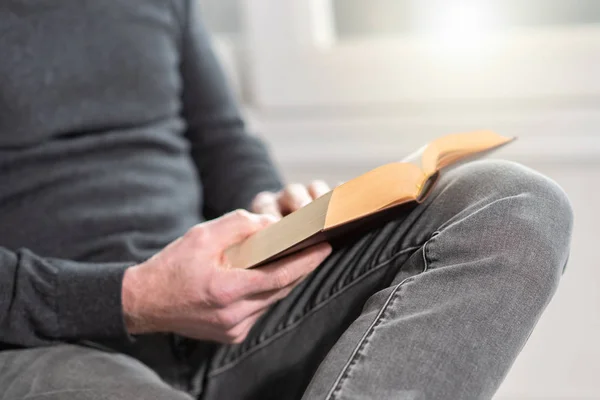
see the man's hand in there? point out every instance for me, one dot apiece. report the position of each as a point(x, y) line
point(288, 200)
point(189, 288)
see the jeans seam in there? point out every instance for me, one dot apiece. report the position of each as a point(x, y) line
point(426, 259)
point(278, 334)
point(364, 341)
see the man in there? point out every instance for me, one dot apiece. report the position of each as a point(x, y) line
point(119, 141)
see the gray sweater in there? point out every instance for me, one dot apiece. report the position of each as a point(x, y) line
point(117, 133)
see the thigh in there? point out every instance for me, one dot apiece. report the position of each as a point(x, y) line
point(74, 372)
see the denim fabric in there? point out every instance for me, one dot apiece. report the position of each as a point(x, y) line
point(435, 304)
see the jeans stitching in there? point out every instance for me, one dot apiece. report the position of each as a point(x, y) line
point(278, 334)
point(364, 341)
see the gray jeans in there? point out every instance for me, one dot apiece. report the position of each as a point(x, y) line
point(434, 304)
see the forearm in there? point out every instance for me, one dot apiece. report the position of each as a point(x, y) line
point(45, 300)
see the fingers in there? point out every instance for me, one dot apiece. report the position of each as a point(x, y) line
point(244, 315)
point(234, 333)
point(232, 300)
point(318, 188)
point(232, 285)
point(293, 197)
point(242, 309)
point(266, 203)
point(264, 300)
point(282, 273)
point(290, 199)
point(239, 320)
point(238, 333)
point(236, 226)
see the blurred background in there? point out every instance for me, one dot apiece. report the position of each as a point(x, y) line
point(338, 87)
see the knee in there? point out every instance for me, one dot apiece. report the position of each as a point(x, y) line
point(540, 195)
point(87, 373)
point(537, 197)
point(531, 214)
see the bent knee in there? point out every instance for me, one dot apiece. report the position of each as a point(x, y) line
point(528, 215)
point(70, 371)
point(493, 180)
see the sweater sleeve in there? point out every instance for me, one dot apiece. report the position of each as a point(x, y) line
point(45, 300)
point(233, 165)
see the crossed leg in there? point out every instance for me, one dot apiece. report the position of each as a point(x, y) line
point(436, 304)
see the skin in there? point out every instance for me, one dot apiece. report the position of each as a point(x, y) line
point(291, 198)
point(189, 288)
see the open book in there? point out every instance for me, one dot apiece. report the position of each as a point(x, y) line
point(363, 201)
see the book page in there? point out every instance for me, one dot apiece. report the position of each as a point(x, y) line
point(450, 149)
point(416, 157)
point(390, 184)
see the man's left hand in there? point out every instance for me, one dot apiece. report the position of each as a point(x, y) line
point(288, 200)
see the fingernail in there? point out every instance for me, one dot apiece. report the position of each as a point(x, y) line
point(274, 217)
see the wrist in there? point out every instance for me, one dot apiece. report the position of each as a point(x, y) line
point(134, 301)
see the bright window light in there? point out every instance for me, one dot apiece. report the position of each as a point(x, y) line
point(460, 25)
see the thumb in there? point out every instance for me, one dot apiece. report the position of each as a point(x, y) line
point(236, 226)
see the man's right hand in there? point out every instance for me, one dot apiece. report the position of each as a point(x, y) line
point(189, 289)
